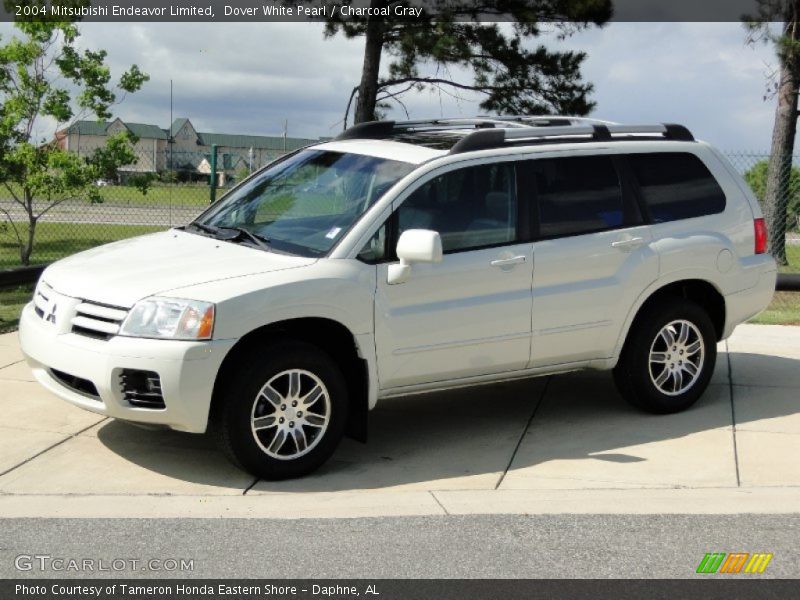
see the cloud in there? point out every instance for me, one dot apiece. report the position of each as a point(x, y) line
point(250, 77)
point(700, 74)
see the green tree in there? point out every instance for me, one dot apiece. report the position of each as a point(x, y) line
point(756, 178)
point(786, 40)
point(511, 78)
point(44, 76)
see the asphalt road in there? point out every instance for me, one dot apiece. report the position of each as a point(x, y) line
point(579, 546)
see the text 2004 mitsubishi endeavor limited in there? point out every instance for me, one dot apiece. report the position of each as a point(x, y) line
point(409, 257)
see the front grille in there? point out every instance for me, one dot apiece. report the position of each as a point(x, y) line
point(99, 321)
point(142, 389)
point(41, 299)
point(76, 384)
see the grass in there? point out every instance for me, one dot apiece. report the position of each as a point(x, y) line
point(11, 302)
point(785, 306)
point(784, 310)
point(793, 257)
point(57, 240)
point(158, 195)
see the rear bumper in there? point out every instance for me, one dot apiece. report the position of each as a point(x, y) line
point(187, 371)
point(745, 304)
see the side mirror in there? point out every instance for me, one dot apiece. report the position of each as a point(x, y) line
point(415, 246)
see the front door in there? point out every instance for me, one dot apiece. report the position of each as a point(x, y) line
point(469, 315)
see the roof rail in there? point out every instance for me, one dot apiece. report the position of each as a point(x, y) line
point(552, 120)
point(385, 129)
point(574, 133)
point(373, 130)
point(493, 132)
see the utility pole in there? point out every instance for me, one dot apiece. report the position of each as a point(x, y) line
point(212, 178)
point(170, 139)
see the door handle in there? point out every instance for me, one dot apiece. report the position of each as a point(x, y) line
point(628, 244)
point(507, 262)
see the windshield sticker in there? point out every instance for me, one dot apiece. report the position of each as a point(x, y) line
point(333, 233)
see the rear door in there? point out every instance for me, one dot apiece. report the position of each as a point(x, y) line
point(592, 255)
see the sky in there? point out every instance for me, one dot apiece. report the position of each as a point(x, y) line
point(251, 77)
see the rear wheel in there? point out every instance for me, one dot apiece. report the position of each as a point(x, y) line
point(668, 358)
point(283, 412)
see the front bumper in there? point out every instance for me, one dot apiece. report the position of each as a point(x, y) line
point(187, 370)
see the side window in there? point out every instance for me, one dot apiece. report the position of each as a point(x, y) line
point(676, 186)
point(474, 207)
point(576, 195)
point(377, 248)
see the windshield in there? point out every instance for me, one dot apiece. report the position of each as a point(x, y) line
point(305, 203)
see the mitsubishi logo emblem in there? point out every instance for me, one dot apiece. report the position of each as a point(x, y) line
point(50, 314)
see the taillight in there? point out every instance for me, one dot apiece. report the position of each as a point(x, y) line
point(761, 236)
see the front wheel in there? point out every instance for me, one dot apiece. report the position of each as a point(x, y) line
point(283, 412)
point(668, 358)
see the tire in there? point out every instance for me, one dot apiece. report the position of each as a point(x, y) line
point(661, 378)
point(246, 420)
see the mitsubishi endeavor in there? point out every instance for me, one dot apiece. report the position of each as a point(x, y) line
point(408, 257)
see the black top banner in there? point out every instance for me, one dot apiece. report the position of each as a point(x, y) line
point(346, 10)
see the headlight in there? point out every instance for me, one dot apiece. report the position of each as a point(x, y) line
point(170, 318)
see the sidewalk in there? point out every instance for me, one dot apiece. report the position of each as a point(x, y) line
point(563, 444)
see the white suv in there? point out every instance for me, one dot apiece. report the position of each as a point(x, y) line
point(409, 257)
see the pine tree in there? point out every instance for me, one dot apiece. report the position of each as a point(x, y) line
point(511, 78)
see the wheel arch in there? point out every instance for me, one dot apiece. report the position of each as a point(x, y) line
point(701, 291)
point(331, 336)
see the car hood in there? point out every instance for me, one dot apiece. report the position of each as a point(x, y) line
point(123, 272)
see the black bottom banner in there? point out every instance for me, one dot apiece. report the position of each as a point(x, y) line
point(394, 589)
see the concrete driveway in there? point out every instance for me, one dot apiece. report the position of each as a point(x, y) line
point(562, 444)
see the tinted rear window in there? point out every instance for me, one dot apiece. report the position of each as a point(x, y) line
point(576, 195)
point(676, 186)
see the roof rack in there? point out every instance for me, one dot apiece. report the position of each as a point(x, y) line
point(494, 132)
point(379, 130)
point(479, 140)
point(551, 120)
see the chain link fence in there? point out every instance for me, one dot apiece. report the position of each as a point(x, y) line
point(753, 166)
point(179, 190)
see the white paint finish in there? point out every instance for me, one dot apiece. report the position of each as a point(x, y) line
point(126, 271)
point(583, 288)
point(339, 290)
point(458, 318)
point(459, 322)
point(187, 371)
